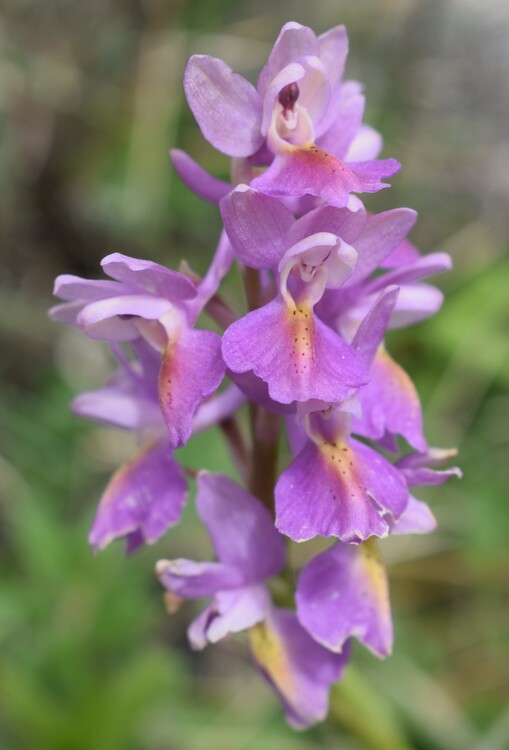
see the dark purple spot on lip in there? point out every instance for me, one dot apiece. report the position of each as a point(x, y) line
point(288, 96)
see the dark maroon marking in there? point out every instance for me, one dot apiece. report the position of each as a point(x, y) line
point(288, 96)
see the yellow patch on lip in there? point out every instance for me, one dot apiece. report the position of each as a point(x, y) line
point(376, 574)
point(313, 157)
point(269, 652)
point(301, 325)
point(341, 460)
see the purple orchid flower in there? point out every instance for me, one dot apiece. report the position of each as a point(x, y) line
point(283, 342)
point(145, 496)
point(146, 301)
point(301, 120)
point(249, 550)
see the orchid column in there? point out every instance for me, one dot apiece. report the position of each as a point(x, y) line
point(325, 280)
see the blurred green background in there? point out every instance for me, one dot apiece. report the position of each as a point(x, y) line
point(90, 102)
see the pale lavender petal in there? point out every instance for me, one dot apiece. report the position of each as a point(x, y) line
point(145, 496)
point(225, 105)
point(381, 234)
point(296, 434)
point(315, 172)
point(117, 406)
point(80, 292)
point(338, 489)
point(373, 170)
point(257, 226)
point(337, 138)
point(403, 255)
point(371, 331)
point(417, 467)
point(66, 313)
point(230, 612)
point(294, 41)
point(344, 593)
point(191, 370)
point(314, 91)
point(295, 353)
point(390, 403)
point(216, 409)
point(366, 145)
point(149, 277)
point(425, 265)
point(114, 318)
point(333, 53)
point(207, 288)
point(417, 518)
point(342, 222)
point(257, 390)
point(416, 302)
point(241, 528)
point(197, 580)
point(299, 670)
point(71, 288)
point(198, 179)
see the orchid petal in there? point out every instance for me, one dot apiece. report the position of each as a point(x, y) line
point(197, 179)
point(257, 226)
point(417, 518)
point(191, 370)
point(342, 222)
point(225, 105)
point(299, 669)
point(341, 132)
point(74, 288)
point(299, 171)
point(338, 489)
point(230, 612)
point(294, 353)
point(118, 407)
point(148, 276)
point(197, 580)
point(380, 235)
point(144, 497)
point(425, 265)
point(241, 528)
point(365, 146)
point(371, 331)
point(343, 593)
point(403, 255)
point(390, 403)
point(104, 319)
point(416, 302)
point(294, 41)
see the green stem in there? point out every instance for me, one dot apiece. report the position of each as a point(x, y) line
point(357, 707)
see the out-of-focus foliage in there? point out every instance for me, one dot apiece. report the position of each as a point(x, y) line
point(90, 102)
